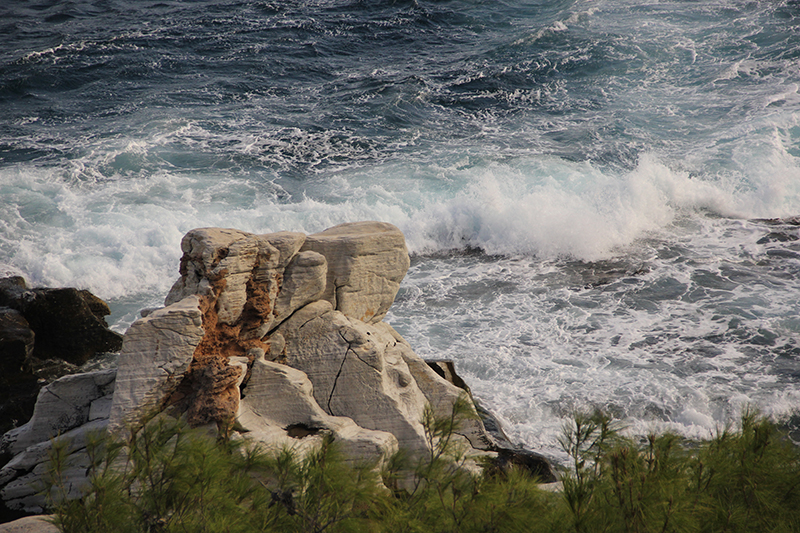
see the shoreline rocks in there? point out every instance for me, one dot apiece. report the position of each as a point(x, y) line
point(45, 333)
point(278, 337)
point(69, 323)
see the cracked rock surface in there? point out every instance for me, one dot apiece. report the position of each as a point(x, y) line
point(278, 337)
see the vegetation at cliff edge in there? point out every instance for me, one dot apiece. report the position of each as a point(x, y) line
point(168, 478)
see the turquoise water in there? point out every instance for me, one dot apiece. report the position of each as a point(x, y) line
point(581, 183)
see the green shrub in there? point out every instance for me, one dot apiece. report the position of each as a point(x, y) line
point(748, 480)
point(169, 478)
point(739, 481)
point(446, 492)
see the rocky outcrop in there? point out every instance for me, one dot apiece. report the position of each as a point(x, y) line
point(69, 323)
point(278, 338)
point(366, 263)
point(70, 409)
point(45, 333)
point(250, 287)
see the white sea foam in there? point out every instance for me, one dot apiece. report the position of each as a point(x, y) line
point(663, 349)
point(550, 208)
point(121, 236)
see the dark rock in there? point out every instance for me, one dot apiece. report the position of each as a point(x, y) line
point(18, 385)
point(447, 369)
point(788, 221)
point(783, 254)
point(534, 464)
point(11, 289)
point(16, 340)
point(69, 323)
point(45, 334)
point(776, 236)
point(514, 456)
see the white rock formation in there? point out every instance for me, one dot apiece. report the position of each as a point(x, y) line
point(304, 281)
point(355, 371)
point(278, 336)
point(279, 410)
point(366, 263)
point(71, 409)
point(65, 404)
point(156, 353)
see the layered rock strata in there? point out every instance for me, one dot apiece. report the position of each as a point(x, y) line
point(278, 337)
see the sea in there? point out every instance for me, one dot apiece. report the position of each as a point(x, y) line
point(600, 197)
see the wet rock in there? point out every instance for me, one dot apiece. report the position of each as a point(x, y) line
point(777, 236)
point(69, 323)
point(787, 221)
point(507, 455)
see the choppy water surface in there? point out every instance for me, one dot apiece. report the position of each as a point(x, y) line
point(580, 182)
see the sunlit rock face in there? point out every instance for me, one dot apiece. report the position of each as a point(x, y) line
point(311, 303)
point(277, 337)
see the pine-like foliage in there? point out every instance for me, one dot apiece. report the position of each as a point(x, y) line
point(739, 481)
point(168, 478)
point(445, 491)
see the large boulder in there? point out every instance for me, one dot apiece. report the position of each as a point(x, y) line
point(69, 323)
point(248, 285)
point(276, 338)
point(67, 403)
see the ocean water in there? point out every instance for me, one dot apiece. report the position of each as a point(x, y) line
point(597, 194)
